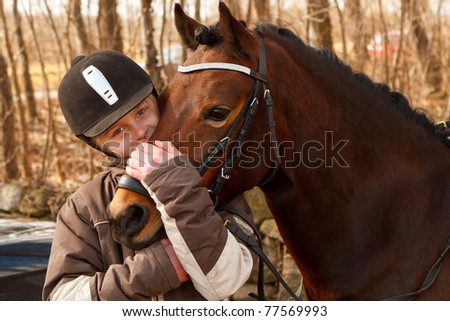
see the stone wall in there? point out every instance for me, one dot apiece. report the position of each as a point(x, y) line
point(42, 202)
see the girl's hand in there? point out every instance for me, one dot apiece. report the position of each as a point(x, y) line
point(144, 159)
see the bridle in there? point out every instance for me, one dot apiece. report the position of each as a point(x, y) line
point(245, 116)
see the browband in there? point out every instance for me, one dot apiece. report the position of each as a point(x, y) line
point(222, 66)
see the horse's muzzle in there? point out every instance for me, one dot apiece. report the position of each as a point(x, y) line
point(128, 223)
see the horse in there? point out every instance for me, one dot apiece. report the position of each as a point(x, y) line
point(357, 180)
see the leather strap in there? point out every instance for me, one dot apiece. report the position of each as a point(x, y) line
point(132, 184)
point(256, 247)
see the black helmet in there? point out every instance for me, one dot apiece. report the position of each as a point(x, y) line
point(99, 89)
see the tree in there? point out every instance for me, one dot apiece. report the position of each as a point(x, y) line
point(23, 54)
point(22, 132)
point(234, 7)
point(10, 148)
point(109, 28)
point(50, 145)
point(355, 27)
point(56, 34)
point(319, 17)
point(416, 9)
point(197, 10)
point(262, 8)
point(151, 54)
point(75, 12)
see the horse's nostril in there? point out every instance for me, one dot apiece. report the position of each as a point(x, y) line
point(134, 219)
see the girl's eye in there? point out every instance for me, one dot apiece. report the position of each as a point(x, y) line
point(217, 114)
point(141, 111)
point(118, 131)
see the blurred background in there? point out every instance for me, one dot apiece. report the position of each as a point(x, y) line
point(403, 43)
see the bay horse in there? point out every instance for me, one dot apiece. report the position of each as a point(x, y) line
point(358, 182)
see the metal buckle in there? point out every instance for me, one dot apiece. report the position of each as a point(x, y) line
point(225, 139)
point(223, 175)
point(444, 124)
point(255, 100)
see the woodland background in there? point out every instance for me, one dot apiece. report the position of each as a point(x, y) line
point(404, 43)
point(39, 38)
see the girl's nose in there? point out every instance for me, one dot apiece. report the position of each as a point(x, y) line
point(139, 132)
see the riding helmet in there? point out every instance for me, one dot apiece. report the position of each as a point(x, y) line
point(99, 89)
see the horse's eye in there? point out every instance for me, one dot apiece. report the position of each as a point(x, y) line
point(217, 114)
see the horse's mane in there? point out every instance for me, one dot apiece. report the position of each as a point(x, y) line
point(399, 101)
point(210, 36)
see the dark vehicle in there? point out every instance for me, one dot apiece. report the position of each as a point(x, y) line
point(24, 251)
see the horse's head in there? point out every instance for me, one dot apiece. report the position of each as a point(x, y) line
point(207, 111)
point(209, 101)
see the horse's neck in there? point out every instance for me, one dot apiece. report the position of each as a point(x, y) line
point(335, 232)
point(333, 215)
point(330, 142)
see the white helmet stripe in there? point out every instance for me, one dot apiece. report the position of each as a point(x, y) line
point(100, 84)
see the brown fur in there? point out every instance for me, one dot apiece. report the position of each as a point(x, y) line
point(366, 231)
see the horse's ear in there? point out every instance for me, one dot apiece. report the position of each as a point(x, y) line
point(233, 31)
point(186, 27)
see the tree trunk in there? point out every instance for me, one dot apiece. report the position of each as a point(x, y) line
point(428, 58)
point(56, 34)
point(262, 8)
point(249, 11)
point(355, 29)
point(386, 58)
point(161, 36)
point(151, 54)
point(343, 31)
point(50, 145)
point(29, 91)
point(75, 8)
point(398, 82)
point(109, 28)
point(234, 7)
point(8, 141)
point(319, 15)
point(197, 10)
point(23, 129)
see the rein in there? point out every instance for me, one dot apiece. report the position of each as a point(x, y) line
point(429, 279)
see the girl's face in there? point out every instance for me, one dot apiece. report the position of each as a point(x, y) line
point(132, 129)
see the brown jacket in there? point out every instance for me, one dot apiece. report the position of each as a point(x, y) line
point(87, 264)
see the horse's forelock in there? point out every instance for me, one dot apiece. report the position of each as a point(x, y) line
point(207, 35)
point(210, 35)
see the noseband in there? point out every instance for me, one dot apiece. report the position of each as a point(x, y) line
point(132, 184)
point(245, 116)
